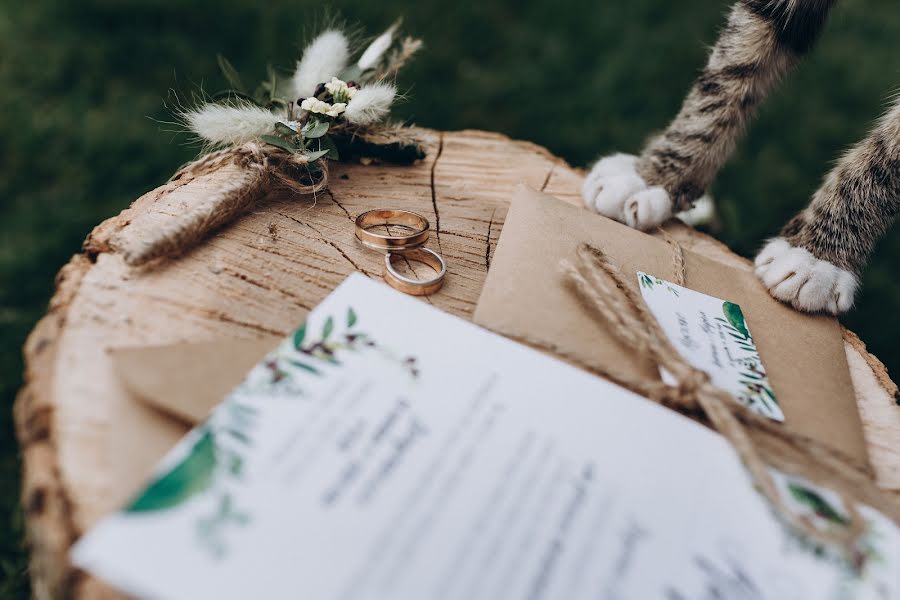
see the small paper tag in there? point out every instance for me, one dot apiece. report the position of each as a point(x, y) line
point(713, 336)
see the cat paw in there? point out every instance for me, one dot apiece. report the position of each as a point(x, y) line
point(614, 189)
point(793, 275)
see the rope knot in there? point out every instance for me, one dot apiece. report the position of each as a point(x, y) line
point(685, 393)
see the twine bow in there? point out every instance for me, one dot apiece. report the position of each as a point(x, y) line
point(264, 168)
point(600, 287)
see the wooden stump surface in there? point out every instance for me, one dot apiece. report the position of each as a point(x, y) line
point(85, 443)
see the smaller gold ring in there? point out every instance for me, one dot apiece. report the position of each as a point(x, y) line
point(391, 216)
point(415, 287)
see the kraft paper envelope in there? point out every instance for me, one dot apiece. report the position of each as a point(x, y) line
point(525, 297)
point(187, 381)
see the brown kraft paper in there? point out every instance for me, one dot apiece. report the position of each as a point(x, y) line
point(525, 297)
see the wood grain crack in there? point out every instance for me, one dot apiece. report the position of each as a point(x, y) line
point(547, 178)
point(294, 260)
point(487, 242)
point(286, 293)
point(325, 240)
point(220, 315)
point(341, 206)
point(437, 214)
point(276, 332)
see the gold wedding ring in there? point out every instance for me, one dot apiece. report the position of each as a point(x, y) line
point(415, 287)
point(416, 229)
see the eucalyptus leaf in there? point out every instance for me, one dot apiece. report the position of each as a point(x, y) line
point(316, 155)
point(315, 129)
point(278, 142)
point(284, 129)
point(327, 144)
point(351, 317)
point(327, 328)
point(230, 73)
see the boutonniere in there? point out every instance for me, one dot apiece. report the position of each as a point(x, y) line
point(335, 106)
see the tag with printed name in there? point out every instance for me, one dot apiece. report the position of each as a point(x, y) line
point(713, 336)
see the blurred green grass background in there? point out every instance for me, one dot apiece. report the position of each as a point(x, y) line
point(82, 86)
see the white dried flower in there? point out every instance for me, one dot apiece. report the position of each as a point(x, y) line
point(339, 90)
point(314, 105)
point(370, 104)
point(222, 124)
point(377, 48)
point(325, 56)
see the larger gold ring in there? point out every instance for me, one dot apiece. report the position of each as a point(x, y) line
point(391, 216)
point(416, 287)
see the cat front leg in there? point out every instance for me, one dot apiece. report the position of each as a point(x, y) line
point(761, 40)
point(815, 263)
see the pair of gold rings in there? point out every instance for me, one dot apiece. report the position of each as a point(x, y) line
point(408, 245)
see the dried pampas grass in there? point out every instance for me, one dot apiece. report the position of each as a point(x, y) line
point(373, 53)
point(325, 57)
point(370, 104)
point(221, 124)
point(399, 57)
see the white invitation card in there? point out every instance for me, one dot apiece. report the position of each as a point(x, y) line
point(387, 450)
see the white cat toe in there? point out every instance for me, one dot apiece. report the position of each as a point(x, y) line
point(614, 189)
point(793, 275)
point(648, 208)
point(772, 250)
point(608, 194)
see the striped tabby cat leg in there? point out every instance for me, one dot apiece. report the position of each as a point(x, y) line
point(760, 42)
point(815, 262)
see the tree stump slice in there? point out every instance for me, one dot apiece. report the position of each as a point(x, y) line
point(86, 446)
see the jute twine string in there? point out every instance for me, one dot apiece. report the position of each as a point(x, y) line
point(601, 289)
point(678, 266)
point(266, 168)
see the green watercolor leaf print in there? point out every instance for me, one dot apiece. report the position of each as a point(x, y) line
point(817, 503)
point(299, 335)
point(304, 366)
point(192, 475)
point(645, 281)
point(650, 282)
point(327, 328)
point(735, 317)
point(213, 469)
point(328, 347)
